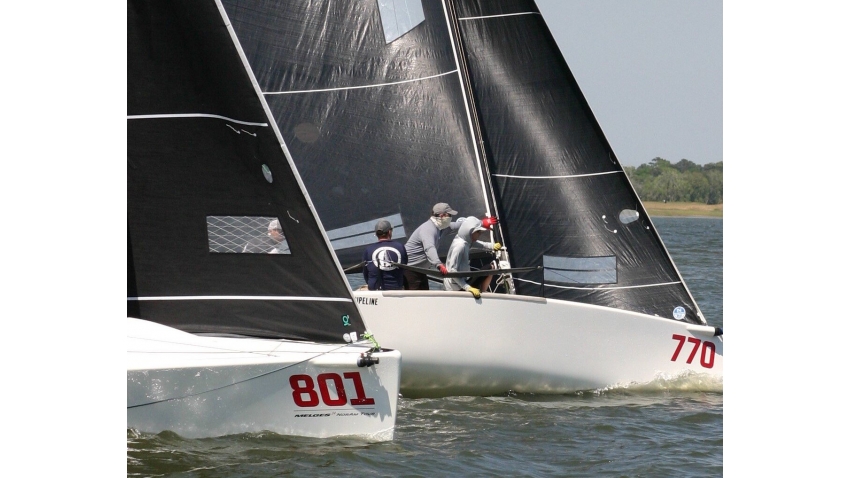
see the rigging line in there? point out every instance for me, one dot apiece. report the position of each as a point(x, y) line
point(239, 382)
point(476, 137)
point(240, 297)
point(556, 177)
point(355, 266)
point(212, 350)
point(358, 87)
point(502, 15)
point(600, 288)
point(194, 115)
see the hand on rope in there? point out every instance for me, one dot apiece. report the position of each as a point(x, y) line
point(497, 246)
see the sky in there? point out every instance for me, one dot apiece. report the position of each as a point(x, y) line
point(651, 70)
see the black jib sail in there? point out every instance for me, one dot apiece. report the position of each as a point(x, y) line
point(220, 236)
point(565, 200)
point(391, 106)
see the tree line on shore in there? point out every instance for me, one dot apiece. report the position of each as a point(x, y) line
point(686, 181)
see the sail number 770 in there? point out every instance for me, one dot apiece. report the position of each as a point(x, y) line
point(706, 358)
point(304, 390)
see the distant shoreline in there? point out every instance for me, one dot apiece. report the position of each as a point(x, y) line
point(683, 209)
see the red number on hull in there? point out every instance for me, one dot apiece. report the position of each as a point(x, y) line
point(696, 343)
point(710, 362)
point(304, 390)
point(299, 390)
point(340, 399)
point(361, 399)
point(706, 357)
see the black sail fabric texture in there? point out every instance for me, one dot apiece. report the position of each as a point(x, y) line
point(206, 176)
point(388, 107)
point(376, 129)
point(559, 186)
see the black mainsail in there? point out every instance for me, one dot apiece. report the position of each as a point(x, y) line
point(208, 183)
point(391, 106)
point(376, 129)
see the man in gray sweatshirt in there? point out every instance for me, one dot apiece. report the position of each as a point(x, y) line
point(422, 245)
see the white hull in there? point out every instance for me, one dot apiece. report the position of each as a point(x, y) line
point(207, 386)
point(456, 345)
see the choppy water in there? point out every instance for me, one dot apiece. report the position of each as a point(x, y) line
point(664, 429)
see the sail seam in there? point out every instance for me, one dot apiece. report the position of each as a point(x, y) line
point(194, 115)
point(556, 177)
point(359, 87)
point(241, 297)
point(599, 288)
point(497, 16)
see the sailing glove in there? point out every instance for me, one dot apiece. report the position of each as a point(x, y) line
point(475, 292)
point(497, 246)
point(489, 222)
point(443, 269)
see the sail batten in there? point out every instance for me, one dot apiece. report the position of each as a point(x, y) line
point(193, 115)
point(561, 176)
point(484, 17)
point(598, 288)
point(392, 83)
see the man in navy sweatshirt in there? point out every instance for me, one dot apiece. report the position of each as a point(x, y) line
point(378, 271)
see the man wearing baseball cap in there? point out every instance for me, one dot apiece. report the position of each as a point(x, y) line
point(378, 270)
point(457, 259)
point(422, 245)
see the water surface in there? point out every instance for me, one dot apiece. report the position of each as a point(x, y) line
point(663, 429)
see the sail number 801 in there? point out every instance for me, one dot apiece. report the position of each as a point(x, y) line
point(706, 358)
point(304, 391)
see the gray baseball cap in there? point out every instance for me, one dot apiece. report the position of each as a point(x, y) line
point(383, 226)
point(443, 208)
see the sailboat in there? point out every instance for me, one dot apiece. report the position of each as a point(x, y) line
point(239, 317)
point(391, 106)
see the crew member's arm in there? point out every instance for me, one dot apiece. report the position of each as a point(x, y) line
point(430, 248)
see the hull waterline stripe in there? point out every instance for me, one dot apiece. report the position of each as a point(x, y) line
point(195, 115)
point(600, 288)
point(358, 87)
point(556, 177)
point(242, 297)
point(497, 16)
